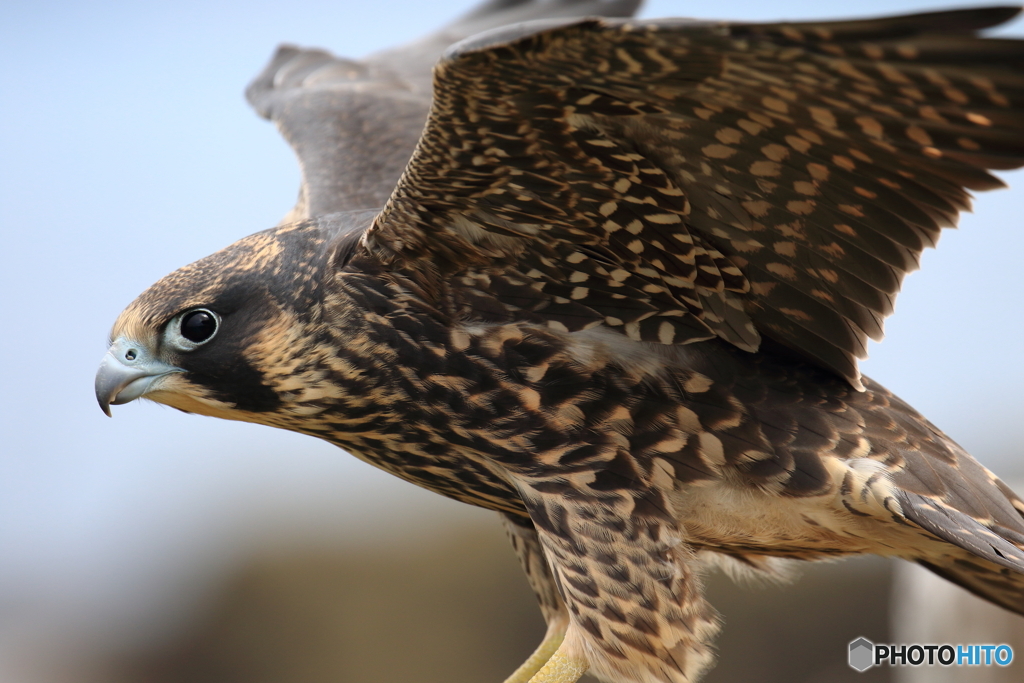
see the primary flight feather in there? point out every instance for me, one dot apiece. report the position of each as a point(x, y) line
point(616, 290)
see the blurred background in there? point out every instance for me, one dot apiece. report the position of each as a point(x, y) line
point(160, 547)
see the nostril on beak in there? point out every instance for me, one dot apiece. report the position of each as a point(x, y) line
point(131, 354)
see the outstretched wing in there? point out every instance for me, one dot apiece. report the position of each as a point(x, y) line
point(354, 123)
point(415, 61)
point(680, 181)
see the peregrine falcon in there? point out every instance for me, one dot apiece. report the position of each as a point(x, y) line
point(611, 279)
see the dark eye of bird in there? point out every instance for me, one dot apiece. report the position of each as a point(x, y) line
point(198, 326)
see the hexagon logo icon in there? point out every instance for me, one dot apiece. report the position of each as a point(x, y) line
point(862, 654)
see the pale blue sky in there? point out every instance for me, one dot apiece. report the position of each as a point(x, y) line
point(129, 151)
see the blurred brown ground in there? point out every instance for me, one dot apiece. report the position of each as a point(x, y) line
point(459, 609)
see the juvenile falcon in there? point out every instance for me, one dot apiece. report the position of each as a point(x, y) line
point(617, 294)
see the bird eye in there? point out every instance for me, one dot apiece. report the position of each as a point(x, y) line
point(198, 326)
point(192, 329)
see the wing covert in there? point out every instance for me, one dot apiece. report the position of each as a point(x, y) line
point(680, 180)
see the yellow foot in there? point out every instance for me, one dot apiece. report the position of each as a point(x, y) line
point(540, 656)
point(561, 668)
point(550, 663)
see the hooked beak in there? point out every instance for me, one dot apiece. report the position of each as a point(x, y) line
point(127, 372)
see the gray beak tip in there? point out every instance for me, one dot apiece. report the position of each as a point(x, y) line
point(103, 396)
point(126, 373)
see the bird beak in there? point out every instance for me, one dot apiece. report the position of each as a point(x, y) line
point(127, 372)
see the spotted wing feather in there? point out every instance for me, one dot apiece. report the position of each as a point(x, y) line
point(681, 181)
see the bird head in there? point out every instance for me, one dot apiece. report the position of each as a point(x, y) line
point(221, 336)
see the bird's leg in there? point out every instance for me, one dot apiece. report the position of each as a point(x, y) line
point(523, 536)
point(627, 578)
point(542, 656)
point(561, 667)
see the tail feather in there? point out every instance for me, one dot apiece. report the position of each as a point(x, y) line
point(984, 556)
point(987, 580)
point(964, 531)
